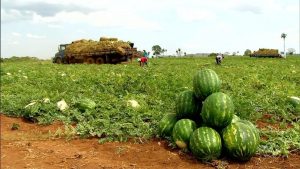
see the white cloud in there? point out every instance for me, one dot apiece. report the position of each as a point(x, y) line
point(82, 31)
point(108, 18)
point(16, 34)
point(14, 43)
point(190, 15)
point(57, 26)
point(29, 35)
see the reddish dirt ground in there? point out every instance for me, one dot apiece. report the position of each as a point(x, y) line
point(33, 146)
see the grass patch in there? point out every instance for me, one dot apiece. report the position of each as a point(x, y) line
point(257, 86)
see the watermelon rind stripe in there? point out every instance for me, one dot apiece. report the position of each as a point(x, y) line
point(240, 141)
point(205, 144)
point(206, 82)
point(182, 132)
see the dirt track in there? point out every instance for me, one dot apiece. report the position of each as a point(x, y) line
point(31, 146)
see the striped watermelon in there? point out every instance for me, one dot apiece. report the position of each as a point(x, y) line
point(166, 124)
point(206, 82)
point(235, 118)
point(85, 104)
point(297, 110)
point(182, 132)
point(217, 110)
point(295, 101)
point(255, 130)
point(206, 144)
point(240, 141)
point(186, 105)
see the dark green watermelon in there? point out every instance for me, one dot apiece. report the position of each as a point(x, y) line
point(206, 144)
point(240, 141)
point(217, 110)
point(295, 101)
point(206, 82)
point(166, 124)
point(85, 104)
point(182, 132)
point(186, 105)
point(255, 129)
point(235, 118)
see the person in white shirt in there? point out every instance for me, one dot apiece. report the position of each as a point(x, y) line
point(219, 58)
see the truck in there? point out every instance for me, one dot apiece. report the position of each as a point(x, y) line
point(263, 52)
point(104, 51)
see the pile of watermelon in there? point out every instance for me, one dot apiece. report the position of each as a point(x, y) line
point(204, 122)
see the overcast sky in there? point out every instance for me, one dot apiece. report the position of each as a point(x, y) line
point(37, 27)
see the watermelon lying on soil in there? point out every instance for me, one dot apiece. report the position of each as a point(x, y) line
point(166, 124)
point(206, 144)
point(240, 141)
point(182, 132)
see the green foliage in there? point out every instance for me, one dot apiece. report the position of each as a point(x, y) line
point(247, 52)
point(256, 86)
point(17, 58)
point(280, 142)
point(213, 55)
point(157, 50)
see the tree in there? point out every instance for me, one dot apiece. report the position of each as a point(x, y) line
point(247, 52)
point(163, 51)
point(157, 50)
point(178, 52)
point(291, 51)
point(283, 35)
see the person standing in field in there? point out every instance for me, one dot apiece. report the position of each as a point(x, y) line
point(219, 58)
point(144, 59)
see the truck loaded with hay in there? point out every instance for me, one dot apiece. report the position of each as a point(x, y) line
point(106, 50)
point(262, 52)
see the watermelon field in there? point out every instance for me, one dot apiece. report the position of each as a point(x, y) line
point(117, 109)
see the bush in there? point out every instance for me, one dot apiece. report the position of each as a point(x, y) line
point(212, 55)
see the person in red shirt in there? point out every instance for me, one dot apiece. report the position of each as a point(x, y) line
point(144, 60)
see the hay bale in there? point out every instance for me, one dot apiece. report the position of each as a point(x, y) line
point(105, 44)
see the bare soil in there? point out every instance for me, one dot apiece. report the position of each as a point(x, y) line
point(34, 146)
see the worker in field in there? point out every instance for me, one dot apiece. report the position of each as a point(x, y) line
point(139, 60)
point(219, 58)
point(144, 59)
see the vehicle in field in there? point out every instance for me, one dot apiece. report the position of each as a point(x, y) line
point(263, 52)
point(107, 50)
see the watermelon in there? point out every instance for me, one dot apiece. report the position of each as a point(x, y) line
point(186, 105)
point(297, 110)
point(206, 144)
point(182, 131)
point(255, 130)
point(295, 101)
point(235, 118)
point(217, 110)
point(85, 104)
point(166, 124)
point(206, 82)
point(240, 141)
